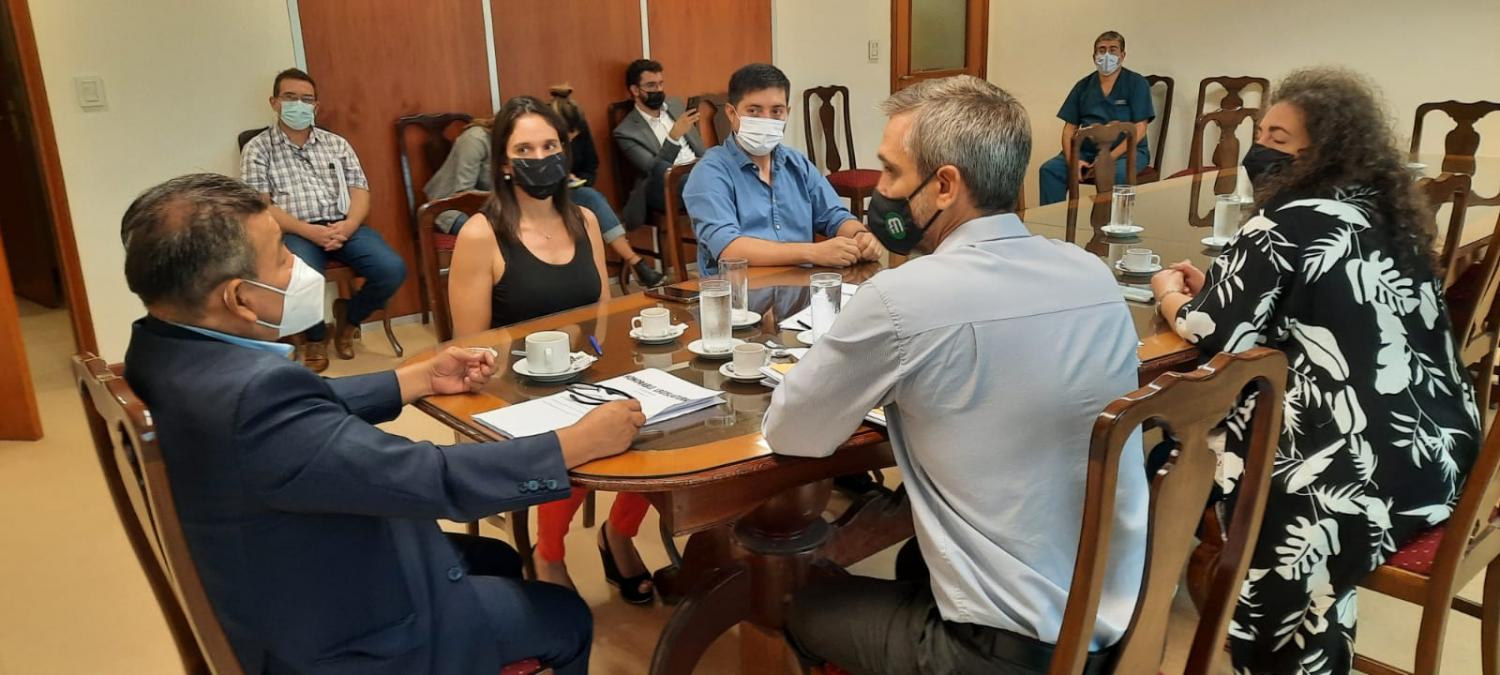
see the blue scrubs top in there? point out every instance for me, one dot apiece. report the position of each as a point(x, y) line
point(1129, 101)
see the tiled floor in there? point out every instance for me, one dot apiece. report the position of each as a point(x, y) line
point(73, 600)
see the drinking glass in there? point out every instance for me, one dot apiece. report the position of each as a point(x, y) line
point(714, 314)
point(1226, 216)
point(736, 271)
point(827, 299)
point(1121, 205)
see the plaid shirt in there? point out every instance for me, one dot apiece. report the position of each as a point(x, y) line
point(311, 182)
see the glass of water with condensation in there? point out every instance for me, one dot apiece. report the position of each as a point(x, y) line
point(714, 314)
point(827, 300)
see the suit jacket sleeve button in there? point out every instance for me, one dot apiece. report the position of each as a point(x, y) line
point(455, 573)
point(551, 484)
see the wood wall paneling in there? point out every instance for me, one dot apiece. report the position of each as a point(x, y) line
point(539, 43)
point(378, 60)
point(700, 44)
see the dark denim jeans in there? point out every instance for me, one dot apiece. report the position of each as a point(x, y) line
point(370, 257)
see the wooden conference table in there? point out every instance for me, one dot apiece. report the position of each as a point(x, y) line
point(755, 519)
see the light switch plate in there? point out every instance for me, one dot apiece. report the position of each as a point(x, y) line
point(873, 51)
point(90, 91)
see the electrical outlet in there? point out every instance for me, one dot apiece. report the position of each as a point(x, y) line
point(873, 51)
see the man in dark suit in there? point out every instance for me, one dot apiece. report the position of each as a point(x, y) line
point(655, 136)
point(313, 531)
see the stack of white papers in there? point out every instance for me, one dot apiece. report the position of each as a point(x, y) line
point(663, 397)
point(803, 320)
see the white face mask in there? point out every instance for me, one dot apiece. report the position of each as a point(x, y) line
point(760, 135)
point(302, 304)
point(1107, 63)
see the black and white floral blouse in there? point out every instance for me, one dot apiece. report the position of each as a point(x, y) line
point(1379, 426)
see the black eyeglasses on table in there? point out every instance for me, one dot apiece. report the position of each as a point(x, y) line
point(589, 393)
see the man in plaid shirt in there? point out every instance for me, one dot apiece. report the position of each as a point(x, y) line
point(319, 197)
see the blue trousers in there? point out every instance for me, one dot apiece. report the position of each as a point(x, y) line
point(593, 200)
point(1054, 174)
point(370, 257)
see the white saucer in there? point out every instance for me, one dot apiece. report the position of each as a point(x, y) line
point(1215, 242)
point(696, 347)
point(727, 370)
point(673, 332)
point(744, 318)
point(1126, 270)
point(1122, 230)
point(581, 362)
point(806, 337)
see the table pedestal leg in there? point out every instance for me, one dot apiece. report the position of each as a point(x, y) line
point(713, 607)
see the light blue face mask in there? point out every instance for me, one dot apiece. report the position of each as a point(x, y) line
point(296, 114)
point(1107, 63)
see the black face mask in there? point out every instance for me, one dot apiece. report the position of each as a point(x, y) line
point(541, 178)
point(1263, 161)
point(653, 99)
point(892, 223)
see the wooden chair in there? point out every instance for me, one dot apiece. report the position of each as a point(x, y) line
point(682, 241)
point(1103, 137)
point(125, 440)
point(1226, 155)
point(435, 252)
point(337, 272)
point(1431, 569)
point(1453, 189)
point(854, 183)
point(1187, 406)
point(1461, 144)
point(1152, 172)
point(1472, 305)
point(423, 143)
point(713, 122)
point(1234, 91)
point(646, 239)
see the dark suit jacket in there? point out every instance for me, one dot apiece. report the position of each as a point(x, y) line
point(313, 530)
point(636, 139)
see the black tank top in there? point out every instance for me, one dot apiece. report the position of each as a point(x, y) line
point(532, 287)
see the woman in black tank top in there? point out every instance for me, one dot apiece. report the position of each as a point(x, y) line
point(529, 253)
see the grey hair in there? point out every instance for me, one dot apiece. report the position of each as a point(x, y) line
point(1110, 35)
point(972, 125)
point(186, 236)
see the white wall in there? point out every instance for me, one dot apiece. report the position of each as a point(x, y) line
point(1415, 51)
point(182, 79)
point(822, 42)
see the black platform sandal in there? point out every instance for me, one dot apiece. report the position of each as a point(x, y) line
point(630, 589)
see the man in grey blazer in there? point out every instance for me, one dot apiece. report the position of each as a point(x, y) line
point(314, 531)
point(655, 136)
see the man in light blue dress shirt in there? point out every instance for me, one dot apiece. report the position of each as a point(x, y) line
point(992, 356)
point(754, 198)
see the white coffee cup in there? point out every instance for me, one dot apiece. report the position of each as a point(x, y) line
point(1140, 260)
point(653, 322)
point(749, 358)
point(548, 352)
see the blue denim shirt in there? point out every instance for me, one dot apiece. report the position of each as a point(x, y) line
point(727, 200)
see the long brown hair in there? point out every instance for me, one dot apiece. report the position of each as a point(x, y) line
point(1352, 145)
point(502, 210)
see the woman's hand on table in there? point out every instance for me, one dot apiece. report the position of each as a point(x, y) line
point(605, 431)
point(1192, 277)
point(1167, 282)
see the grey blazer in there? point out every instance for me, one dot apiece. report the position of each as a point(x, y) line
point(636, 139)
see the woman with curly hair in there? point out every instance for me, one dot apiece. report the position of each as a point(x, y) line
point(1335, 268)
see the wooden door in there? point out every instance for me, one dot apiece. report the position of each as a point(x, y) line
point(700, 44)
point(586, 43)
point(26, 226)
point(378, 60)
point(19, 420)
point(938, 38)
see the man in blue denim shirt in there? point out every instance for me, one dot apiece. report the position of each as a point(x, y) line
point(753, 198)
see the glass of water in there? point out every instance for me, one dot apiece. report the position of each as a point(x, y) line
point(714, 314)
point(1226, 216)
point(827, 300)
point(1122, 205)
point(736, 271)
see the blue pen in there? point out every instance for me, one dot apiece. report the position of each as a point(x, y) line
point(595, 343)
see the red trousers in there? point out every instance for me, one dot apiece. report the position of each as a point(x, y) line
point(553, 519)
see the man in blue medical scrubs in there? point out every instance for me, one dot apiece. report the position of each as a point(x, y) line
point(1111, 93)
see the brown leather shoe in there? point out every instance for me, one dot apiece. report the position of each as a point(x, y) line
point(315, 356)
point(344, 333)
